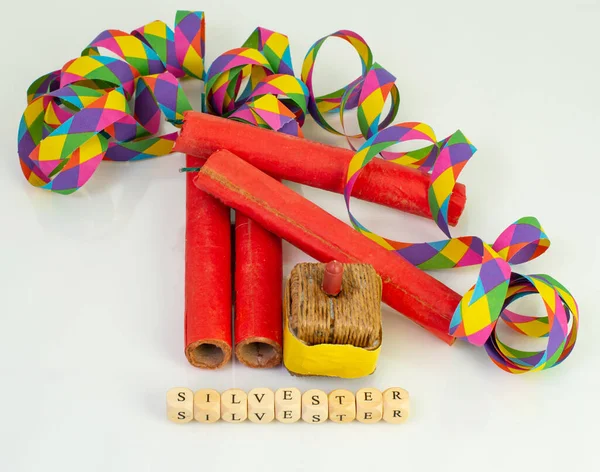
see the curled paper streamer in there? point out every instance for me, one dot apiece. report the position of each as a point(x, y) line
point(256, 84)
point(476, 317)
point(80, 114)
point(561, 310)
point(367, 93)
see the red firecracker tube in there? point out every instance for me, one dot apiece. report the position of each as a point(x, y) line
point(207, 278)
point(258, 297)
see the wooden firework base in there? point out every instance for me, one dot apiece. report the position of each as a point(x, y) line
point(353, 317)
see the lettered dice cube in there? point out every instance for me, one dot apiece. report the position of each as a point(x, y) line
point(234, 405)
point(342, 406)
point(369, 405)
point(315, 407)
point(207, 406)
point(396, 405)
point(288, 405)
point(180, 405)
point(261, 405)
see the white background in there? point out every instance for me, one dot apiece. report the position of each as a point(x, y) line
point(91, 285)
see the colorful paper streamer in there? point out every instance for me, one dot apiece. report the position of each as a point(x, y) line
point(80, 114)
point(256, 84)
point(367, 93)
point(476, 317)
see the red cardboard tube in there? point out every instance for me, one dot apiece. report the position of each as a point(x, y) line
point(207, 278)
point(258, 298)
point(290, 216)
point(317, 165)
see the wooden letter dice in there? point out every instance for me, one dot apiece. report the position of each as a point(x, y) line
point(180, 405)
point(207, 406)
point(342, 406)
point(396, 405)
point(369, 405)
point(234, 405)
point(261, 405)
point(315, 407)
point(288, 405)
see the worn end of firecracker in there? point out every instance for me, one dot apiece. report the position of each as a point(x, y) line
point(208, 354)
point(332, 278)
point(458, 203)
point(259, 352)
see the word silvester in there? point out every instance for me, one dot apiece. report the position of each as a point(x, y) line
point(288, 405)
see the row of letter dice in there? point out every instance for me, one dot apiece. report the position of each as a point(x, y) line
point(288, 405)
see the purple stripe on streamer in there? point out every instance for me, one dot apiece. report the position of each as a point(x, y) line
point(524, 255)
point(348, 187)
point(189, 27)
point(417, 253)
point(85, 121)
point(525, 233)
